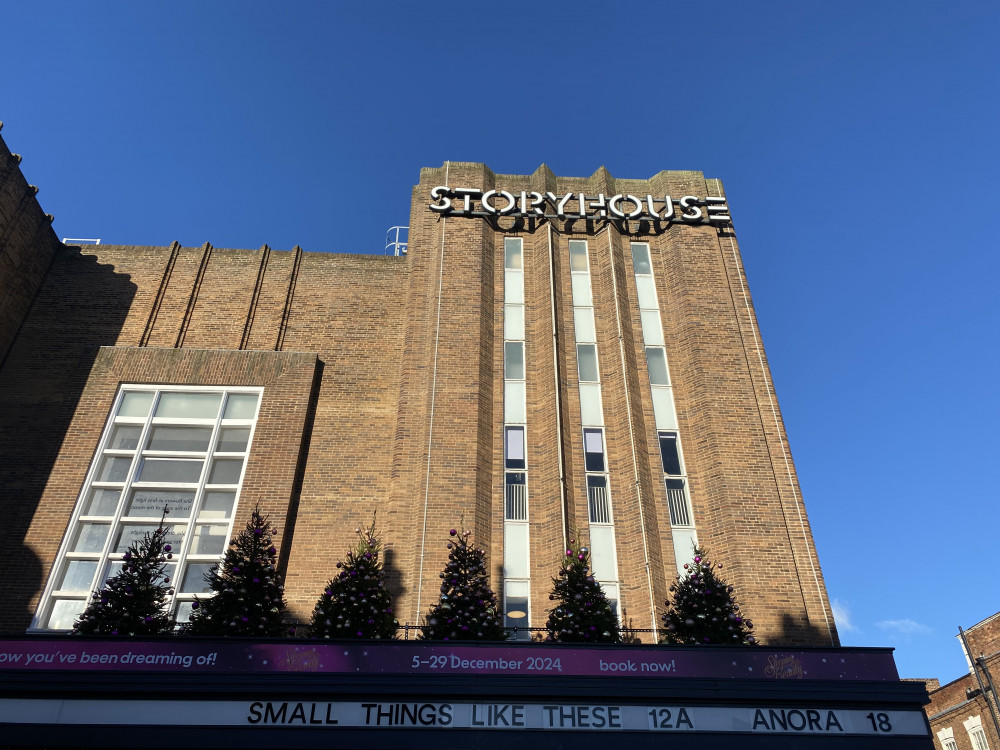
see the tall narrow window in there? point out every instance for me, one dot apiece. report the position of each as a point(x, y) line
point(515, 485)
point(181, 448)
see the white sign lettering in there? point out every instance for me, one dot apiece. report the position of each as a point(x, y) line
point(689, 209)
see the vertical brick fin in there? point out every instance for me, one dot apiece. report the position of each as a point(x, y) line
point(158, 300)
point(265, 254)
point(206, 254)
point(288, 300)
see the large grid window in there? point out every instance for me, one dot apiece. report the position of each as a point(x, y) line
point(184, 448)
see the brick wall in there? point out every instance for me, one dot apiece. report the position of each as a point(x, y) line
point(383, 385)
point(27, 243)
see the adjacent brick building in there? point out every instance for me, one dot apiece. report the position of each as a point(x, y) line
point(962, 713)
point(554, 357)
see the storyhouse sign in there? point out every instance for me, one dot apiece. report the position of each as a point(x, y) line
point(407, 694)
point(665, 209)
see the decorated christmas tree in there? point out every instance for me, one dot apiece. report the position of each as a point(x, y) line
point(582, 613)
point(468, 609)
point(703, 609)
point(134, 600)
point(356, 603)
point(249, 598)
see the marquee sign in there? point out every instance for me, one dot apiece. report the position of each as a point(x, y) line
point(451, 715)
point(428, 658)
point(688, 209)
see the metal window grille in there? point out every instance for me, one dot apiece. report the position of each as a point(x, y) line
point(597, 500)
point(515, 498)
point(677, 501)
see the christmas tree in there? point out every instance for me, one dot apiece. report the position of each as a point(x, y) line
point(703, 608)
point(356, 603)
point(468, 609)
point(134, 600)
point(583, 613)
point(249, 598)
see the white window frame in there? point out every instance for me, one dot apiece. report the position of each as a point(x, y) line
point(118, 522)
point(974, 726)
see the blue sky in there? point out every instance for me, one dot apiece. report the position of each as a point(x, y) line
point(857, 142)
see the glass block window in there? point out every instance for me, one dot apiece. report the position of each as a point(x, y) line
point(184, 448)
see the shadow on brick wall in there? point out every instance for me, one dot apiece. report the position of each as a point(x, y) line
point(80, 306)
point(797, 631)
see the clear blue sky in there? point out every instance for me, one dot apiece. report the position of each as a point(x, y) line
point(857, 142)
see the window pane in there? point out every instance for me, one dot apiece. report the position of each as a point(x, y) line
point(669, 456)
point(78, 575)
point(512, 252)
point(513, 401)
point(640, 258)
point(134, 533)
point(587, 359)
point(663, 408)
point(515, 550)
point(113, 469)
point(135, 404)
point(187, 439)
point(515, 448)
point(656, 359)
point(180, 405)
point(590, 404)
point(64, 613)
point(583, 323)
point(183, 612)
point(102, 503)
point(652, 332)
point(225, 471)
point(578, 256)
point(513, 286)
point(90, 537)
point(209, 540)
point(581, 290)
point(513, 321)
point(194, 579)
point(218, 504)
point(233, 439)
point(647, 292)
point(602, 553)
point(124, 438)
point(593, 446)
point(152, 503)
point(170, 470)
point(240, 406)
point(513, 360)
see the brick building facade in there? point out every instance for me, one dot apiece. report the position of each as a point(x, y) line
point(962, 713)
point(553, 357)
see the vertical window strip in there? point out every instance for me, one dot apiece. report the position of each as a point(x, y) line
point(599, 508)
point(674, 476)
point(516, 586)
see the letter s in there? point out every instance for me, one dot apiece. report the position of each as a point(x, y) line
point(444, 714)
point(691, 211)
point(441, 194)
point(254, 717)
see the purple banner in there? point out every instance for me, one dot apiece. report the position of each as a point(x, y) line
point(425, 658)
